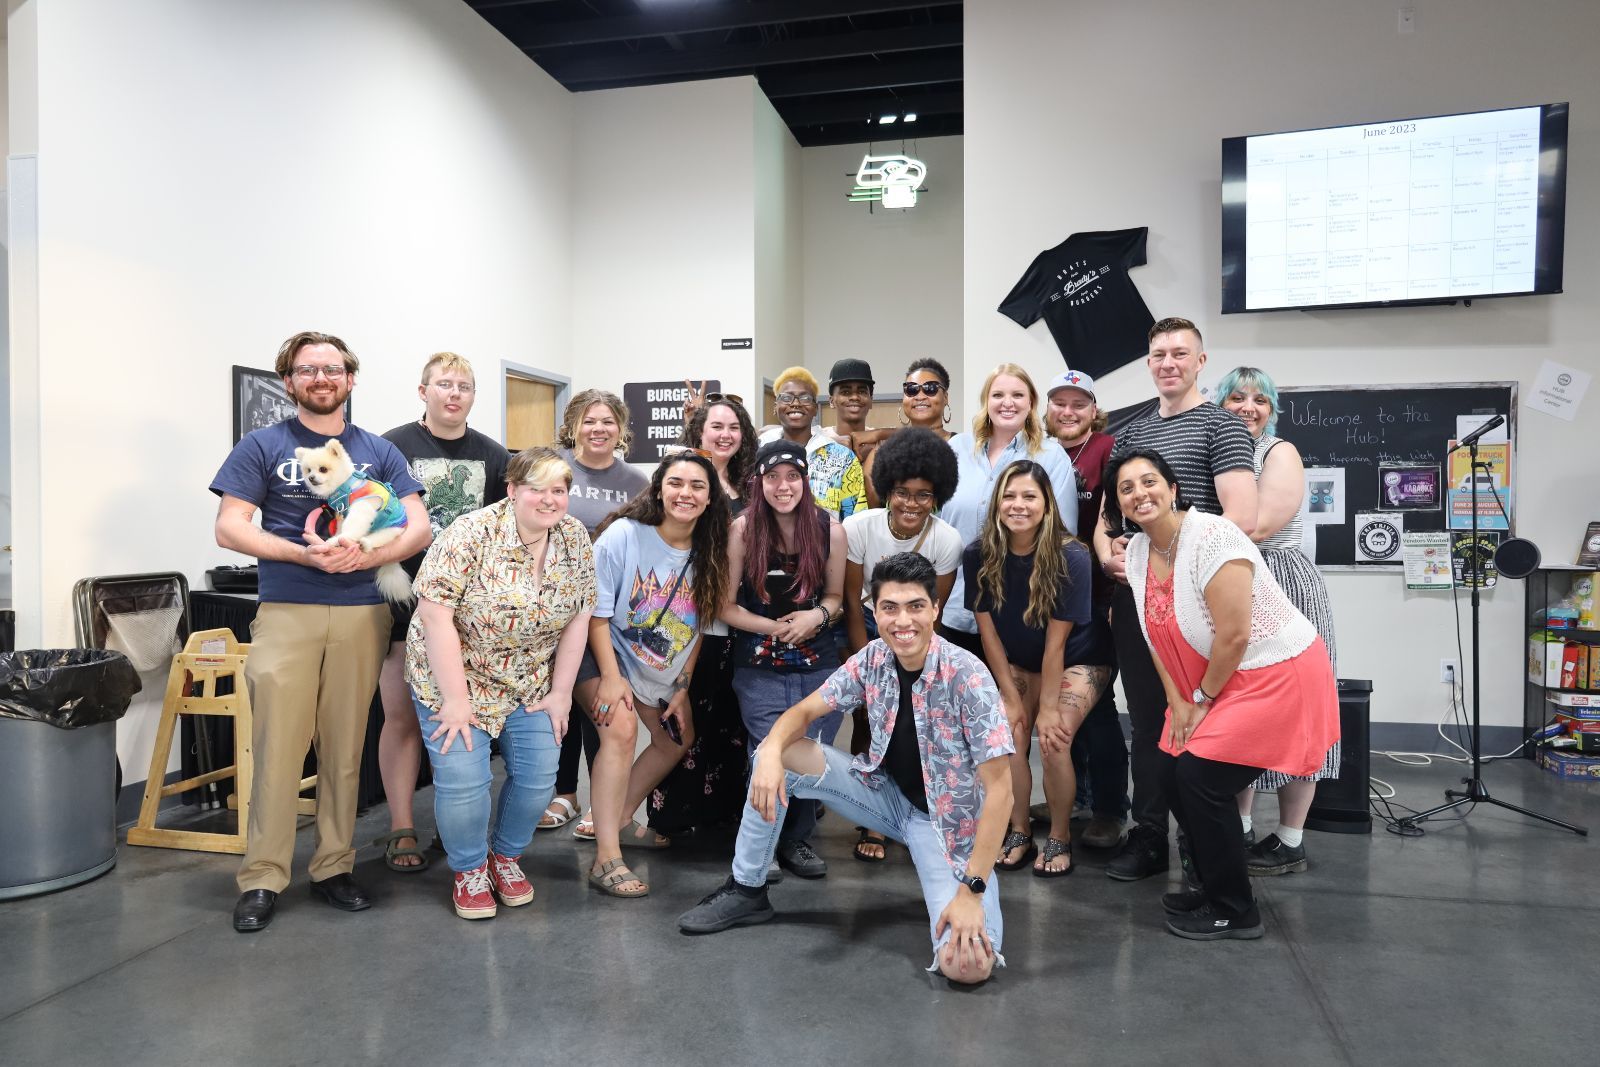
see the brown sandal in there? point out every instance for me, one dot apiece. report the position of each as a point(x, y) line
point(609, 877)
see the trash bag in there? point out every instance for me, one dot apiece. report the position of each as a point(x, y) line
point(66, 687)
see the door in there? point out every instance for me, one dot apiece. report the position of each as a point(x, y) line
point(530, 412)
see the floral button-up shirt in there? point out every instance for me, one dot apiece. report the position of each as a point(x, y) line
point(960, 724)
point(480, 569)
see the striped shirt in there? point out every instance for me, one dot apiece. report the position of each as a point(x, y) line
point(1197, 444)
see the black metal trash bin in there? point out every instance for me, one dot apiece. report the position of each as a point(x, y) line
point(1341, 805)
point(58, 765)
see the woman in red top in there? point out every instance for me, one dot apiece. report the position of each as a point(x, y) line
point(1248, 681)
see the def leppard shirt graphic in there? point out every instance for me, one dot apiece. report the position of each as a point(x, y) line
point(1082, 291)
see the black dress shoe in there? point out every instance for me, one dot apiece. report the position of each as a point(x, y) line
point(254, 910)
point(342, 892)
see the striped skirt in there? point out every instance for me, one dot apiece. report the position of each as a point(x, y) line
point(1303, 583)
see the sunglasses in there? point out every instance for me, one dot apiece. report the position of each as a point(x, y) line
point(925, 388)
point(685, 452)
point(721, 398)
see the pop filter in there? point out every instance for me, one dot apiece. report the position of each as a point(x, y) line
point(1517, 557)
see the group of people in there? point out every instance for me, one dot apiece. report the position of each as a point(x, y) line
point(955, 594)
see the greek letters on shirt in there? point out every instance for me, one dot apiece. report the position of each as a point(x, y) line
point(288, 471)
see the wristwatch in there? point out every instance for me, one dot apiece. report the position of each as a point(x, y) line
point(977, 885)
point(1200, 696)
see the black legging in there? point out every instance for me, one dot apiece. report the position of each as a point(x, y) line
point(1202, 793)
point(1147, 711)
point(581, 734)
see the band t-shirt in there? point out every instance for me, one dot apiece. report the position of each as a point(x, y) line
point(901, 759)
point(458, 475)
point(1197, 444)
point(1089, 641)
point(262, 470)
point(597, 493)
point(646, 588)
point(1082, 291)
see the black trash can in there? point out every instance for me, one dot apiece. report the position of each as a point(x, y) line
point(58, 765)
point(1341, 805)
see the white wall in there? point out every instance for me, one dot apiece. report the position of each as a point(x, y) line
point(1119, 110)
point(664, 233)
point(779, 260)
point(217, 176)
point(885, 286)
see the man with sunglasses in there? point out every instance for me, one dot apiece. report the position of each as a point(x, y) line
point(837, 483)
point(321, 629)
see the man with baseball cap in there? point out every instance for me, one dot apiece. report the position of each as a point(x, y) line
point(1073, 417)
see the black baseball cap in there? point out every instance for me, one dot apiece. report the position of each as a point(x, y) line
point(850, 370)
point(776, 453)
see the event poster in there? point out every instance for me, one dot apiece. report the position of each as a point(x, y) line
point(1492, 479)
point(1324, 496)
point(1408, 487)
point(1473, 564)
point(1427, 559)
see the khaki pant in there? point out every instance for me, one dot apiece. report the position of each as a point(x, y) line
point(312, 672)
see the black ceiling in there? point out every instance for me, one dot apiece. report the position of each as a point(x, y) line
point(832, 68)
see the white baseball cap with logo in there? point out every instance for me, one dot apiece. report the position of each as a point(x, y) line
point(1072, 379)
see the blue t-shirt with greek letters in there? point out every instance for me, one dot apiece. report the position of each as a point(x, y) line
point(262, 470)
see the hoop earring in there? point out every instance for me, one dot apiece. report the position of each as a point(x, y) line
point(1174, 503)
point(947, 416)
point(903, 420)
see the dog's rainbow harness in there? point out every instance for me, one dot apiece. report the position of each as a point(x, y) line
point(359, 487)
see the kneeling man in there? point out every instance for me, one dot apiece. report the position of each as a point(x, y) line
point(935, 776)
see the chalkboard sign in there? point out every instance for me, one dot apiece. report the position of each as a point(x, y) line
point(1363, 429)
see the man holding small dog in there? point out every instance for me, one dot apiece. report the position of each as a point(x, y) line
point(321, 630)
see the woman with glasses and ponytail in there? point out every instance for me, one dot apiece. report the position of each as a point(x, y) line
point(661, 571)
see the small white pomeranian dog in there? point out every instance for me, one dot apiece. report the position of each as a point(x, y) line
point(366, 511)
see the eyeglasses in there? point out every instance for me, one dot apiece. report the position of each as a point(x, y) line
point(309, 374)
point(722, 398)
point(925, 388)
point(464, 388)
point(906, 496)
point(796, 398)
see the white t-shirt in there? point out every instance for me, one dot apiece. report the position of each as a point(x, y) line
point(868, 539)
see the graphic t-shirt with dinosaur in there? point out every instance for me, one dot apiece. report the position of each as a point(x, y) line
point(457, 476)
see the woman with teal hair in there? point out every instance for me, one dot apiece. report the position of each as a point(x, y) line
point(1251, 394)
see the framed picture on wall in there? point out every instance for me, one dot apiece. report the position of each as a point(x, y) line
point(260, 400)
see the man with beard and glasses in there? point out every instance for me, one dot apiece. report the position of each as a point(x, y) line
point(321, 631)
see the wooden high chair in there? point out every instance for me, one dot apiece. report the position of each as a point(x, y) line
point(208, 657)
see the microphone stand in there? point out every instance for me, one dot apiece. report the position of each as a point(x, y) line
point(1476, 792)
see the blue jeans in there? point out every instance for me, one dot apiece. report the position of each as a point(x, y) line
point(884, 809)
point(763, 697)
point(461, 781)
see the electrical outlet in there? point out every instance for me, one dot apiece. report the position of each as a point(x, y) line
point(1449, 671)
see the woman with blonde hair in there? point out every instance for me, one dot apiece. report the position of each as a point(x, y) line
point(594, 428)
point(1030, 588)
point(1006, 429)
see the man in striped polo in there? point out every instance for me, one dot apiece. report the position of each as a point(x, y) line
point(1212, 453)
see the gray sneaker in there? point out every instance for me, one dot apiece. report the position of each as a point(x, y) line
point(728, 906)
point(774, 873)
point(799, 858)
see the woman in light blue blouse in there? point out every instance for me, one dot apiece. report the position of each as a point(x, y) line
point(1006, 429)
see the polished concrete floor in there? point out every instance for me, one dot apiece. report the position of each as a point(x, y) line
point(1472, 944)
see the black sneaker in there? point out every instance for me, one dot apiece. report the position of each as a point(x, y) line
point(1183, 903)
point(1204, 924)
point(1143, 854)
point(730, 905)
point(1272, 856)
point(801, 860)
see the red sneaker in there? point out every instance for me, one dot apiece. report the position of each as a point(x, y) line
point(472, 895)
point(510, 884)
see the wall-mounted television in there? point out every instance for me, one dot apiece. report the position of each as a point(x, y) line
point(1404, 212)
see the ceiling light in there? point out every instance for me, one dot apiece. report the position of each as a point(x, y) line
point(911, 116)
point(887, 120)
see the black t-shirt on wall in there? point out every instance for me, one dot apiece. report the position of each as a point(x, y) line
point(902, 761)
point(1082, 291)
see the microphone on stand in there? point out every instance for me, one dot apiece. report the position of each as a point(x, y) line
point(1472, 438)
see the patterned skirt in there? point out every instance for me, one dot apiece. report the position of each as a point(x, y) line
point(1303, 583)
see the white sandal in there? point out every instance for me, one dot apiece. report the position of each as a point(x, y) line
point(560, 812)
point(584, 831)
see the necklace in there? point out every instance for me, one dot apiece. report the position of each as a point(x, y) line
point(1166, 553)
point(535, 542)
point(927, 524)
point(1074, 455)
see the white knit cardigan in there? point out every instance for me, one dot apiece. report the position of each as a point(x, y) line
point(1278, 631)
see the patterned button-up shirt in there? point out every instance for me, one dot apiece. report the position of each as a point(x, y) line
point(479, 568)
point(960, 724)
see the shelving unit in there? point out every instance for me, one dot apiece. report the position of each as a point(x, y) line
point(1543, 588)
